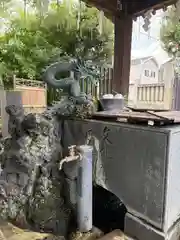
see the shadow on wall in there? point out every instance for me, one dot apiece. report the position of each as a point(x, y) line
point(108, 211)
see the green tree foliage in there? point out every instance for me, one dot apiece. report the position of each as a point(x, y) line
point(35, 38)
point(170, 33)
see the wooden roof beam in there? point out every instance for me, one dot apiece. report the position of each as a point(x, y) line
point(158, 6)
point(103, 5)
point(130, 7)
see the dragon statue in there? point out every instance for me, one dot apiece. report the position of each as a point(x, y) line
point(71, 85)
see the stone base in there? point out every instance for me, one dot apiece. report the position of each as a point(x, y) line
point(140, 230)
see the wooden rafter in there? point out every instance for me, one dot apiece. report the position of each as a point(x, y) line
point(101, 5)
point(142, 7)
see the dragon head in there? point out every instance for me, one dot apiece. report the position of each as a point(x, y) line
point(88, 70)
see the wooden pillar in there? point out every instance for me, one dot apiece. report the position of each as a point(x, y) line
point(122, 54)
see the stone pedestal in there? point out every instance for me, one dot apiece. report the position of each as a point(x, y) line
point(141, 166)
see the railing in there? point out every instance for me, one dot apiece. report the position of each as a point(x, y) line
point(150, 96)
point(150, 92)
point(21, 82)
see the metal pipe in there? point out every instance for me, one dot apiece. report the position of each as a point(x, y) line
point(84, 189)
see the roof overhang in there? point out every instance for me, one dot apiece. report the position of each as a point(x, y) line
point(129, 7)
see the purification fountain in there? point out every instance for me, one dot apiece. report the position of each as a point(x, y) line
point(41, 182)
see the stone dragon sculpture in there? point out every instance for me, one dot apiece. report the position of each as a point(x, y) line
point(71, 85)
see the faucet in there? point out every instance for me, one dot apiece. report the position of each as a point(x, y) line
point(83, 184)
point(73, 156)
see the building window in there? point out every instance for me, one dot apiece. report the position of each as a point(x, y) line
point(148, 73)
point(153, 74)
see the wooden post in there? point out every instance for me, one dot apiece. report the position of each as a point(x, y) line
point(14, 82)
point(122, 54)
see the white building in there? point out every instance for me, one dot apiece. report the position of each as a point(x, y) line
point(151, 78)
point(152, 70)
point(151, 66)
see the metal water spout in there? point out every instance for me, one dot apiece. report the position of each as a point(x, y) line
point(83, 154)
point(74, 155)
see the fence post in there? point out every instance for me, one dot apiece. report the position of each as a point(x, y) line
point(14, 82)
point(168, 93)
point(136, 93)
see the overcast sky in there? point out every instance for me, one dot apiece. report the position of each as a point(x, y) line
point(142, 39)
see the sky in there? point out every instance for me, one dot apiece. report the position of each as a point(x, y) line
point(141, 39)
